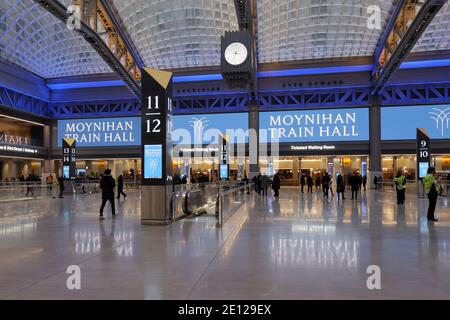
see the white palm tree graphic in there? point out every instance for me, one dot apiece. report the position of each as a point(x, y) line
point(153, 165)
point(442, 118)
point(199, 126)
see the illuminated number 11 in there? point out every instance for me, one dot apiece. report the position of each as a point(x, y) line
point(150, 103)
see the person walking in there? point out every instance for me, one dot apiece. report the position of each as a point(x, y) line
point(325, 184)
point(364, 181)
point(375, 182)
point(303, 182)
point(49, 182)
point(276, 185)
point(400, 187)
point(310, 182)
point(354, 183)
point(107, 184)
point(318, 182)
point(30, 182)
point(265, 182)
point(61, 186)
point(340, 187)
point(432, 190)
point(120, 187)
point(258, 183)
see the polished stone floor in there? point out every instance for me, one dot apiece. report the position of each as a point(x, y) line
point(297, 247)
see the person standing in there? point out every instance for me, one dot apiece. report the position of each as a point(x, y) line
point(400, 187)
point(120, 188)
point(61, 186)
point(303, 182)
point(340, 187)
point(276, 185)
point(432, 190)
point(310, 182)
point(107, 184)
point(375, 182)
point(354, 183)
point(364, 181)
point(325, 184)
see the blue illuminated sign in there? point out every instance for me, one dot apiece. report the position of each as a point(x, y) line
point(224, 172)
point(153, 161)
point(423, 169)
point(314, 125)
point(205, 128)
point(401, 123)
point(102, 132)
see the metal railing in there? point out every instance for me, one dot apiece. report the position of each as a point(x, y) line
point(218, 199)
point(19, 191)
point(411, 187)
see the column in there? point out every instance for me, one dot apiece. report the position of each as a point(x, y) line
point(375, 139)
point(135, 167)
point(253, 140)
point(49, 166)
point(111, 166)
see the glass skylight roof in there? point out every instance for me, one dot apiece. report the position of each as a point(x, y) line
point(171, 34)
point(310, 29)
point(35, 40)
point(437, 35)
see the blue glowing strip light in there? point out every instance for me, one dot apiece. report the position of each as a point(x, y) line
point(81, 85)
point(261, 74)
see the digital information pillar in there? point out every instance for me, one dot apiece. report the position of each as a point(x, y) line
point(224, 162)
point(156, 194)
point(423, 159)
point(69, 159)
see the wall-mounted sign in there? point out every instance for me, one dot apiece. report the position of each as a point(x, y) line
point(204, 129)
point(102, 132)
point(401, 123)
point(323, 147)
point(314, 125)
point(18, 149)
point(69, 158)
point(12, 139)
point(423, 152)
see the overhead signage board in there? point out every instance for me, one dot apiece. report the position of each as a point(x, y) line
point(401, 123)
point(330, 125)
point(101, 132)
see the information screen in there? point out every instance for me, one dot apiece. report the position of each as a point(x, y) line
point(66, 172)
point(153, 161)
point(223, 174)
point(423, 169)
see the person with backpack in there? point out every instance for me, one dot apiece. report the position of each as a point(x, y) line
point(107, 184)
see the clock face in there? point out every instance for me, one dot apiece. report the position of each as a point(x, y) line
point(236, 53)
